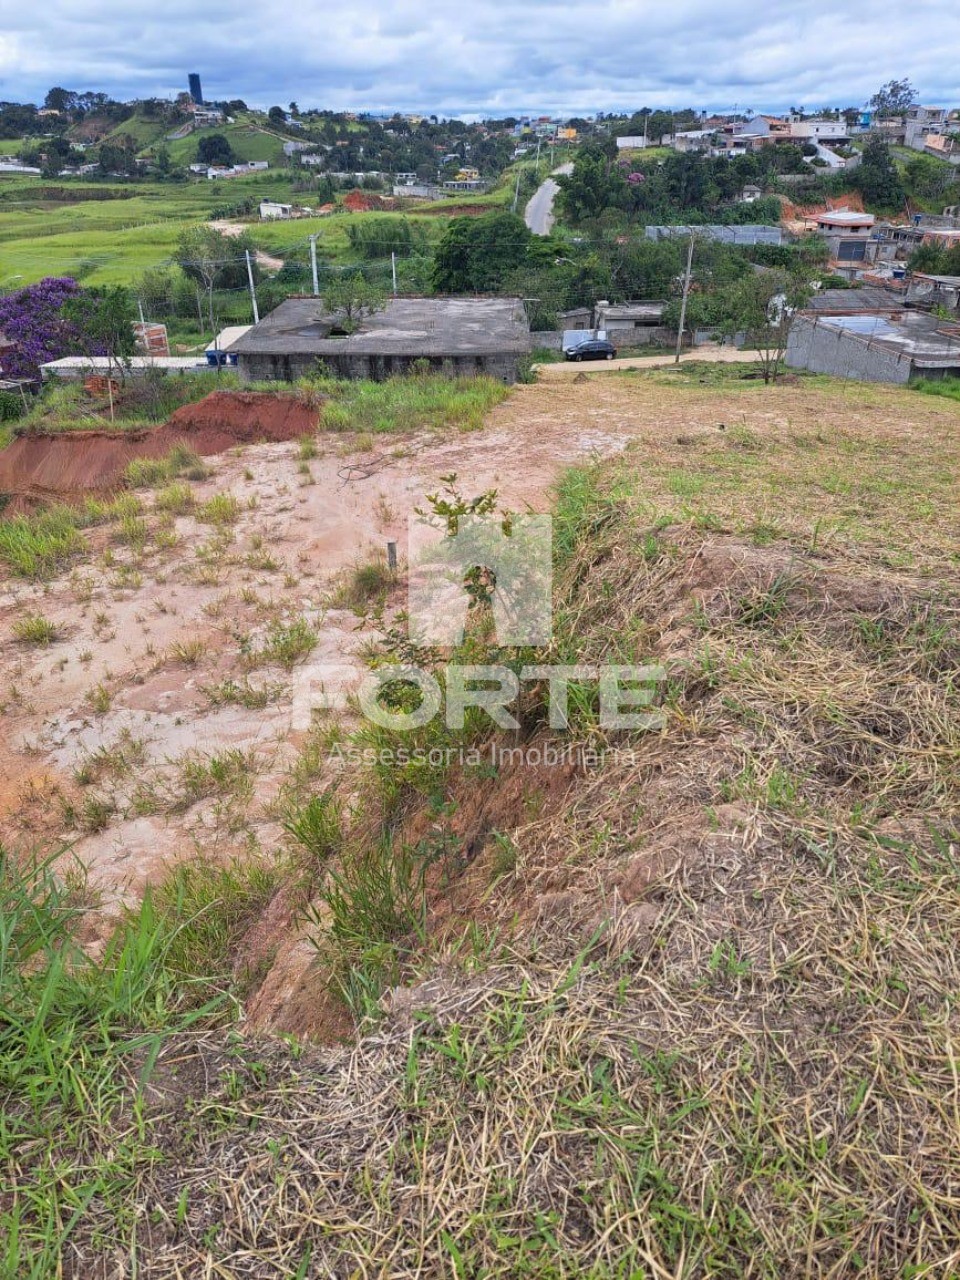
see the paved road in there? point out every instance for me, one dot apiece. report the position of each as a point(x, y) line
point(709, 352)
point(538, 214)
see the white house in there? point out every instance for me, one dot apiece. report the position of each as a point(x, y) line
point(270, 210)
point(819, 130)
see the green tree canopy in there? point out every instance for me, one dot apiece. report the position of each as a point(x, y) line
point(894, 98)
point(762, 305)
point(103, 322)
point(214, 261)
point(475, 255)
point(350, 297)
point(877, 178)
point(595, 184)
point(215, 148)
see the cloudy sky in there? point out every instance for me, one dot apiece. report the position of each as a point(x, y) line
point(482, 56)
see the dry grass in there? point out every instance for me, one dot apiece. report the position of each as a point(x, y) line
point(688, 1013)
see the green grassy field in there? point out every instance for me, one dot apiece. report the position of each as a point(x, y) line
point(111, 241)
point(248, 143)
point(146, 132)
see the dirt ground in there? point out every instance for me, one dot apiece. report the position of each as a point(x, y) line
point(143, 637)
point(710, 353)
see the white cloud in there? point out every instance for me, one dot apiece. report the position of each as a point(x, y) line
point(447, 57)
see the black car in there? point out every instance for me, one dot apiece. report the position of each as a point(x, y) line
point(593, 349)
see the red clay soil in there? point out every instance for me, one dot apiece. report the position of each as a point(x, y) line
point(42, 466)
point(851, 200)
point(363, 202)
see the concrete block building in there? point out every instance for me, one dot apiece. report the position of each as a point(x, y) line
point(461, 336)
point(875, 347)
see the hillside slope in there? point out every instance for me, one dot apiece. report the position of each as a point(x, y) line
point(681, 1003)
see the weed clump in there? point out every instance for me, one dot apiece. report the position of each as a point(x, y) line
point(35, 629)
point(410, 403)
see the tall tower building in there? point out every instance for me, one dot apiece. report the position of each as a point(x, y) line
point(196, 93)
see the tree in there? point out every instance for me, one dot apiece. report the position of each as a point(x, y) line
point(543, 291)
point(894, 98)
point(594, 185)
point(33, 321)
point(277, 115)
point(154, 292)
point(215, 261)
point(929, 178)
point(659, 123)
point(350, 297)
point(56, 153)
point(877, 178)
point(215, 148)
point(102, 320)
point(931, 259)
point(762, 306)
point(476, 254)
point(118, 156)
point(61, 100)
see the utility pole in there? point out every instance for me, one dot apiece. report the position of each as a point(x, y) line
point(393, 270)
point(683, 301)
point(313, 265)
point(253, 292)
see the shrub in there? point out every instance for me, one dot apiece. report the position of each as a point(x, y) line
point(11, 406)
point(363, 584)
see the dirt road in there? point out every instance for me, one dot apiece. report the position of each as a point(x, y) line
point(713, 354)
point(232, 229)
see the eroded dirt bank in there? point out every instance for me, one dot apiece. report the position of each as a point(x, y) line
point(64, 465)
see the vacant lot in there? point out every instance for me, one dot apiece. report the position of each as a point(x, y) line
point(686, 1008)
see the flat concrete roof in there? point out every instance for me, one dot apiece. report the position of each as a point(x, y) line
point(914, 334)
point(748, 233)
point(840, 302)
point(226, 337)
point(634, 311)
point(847, 218)
point(405, 327)
point(70, 365)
